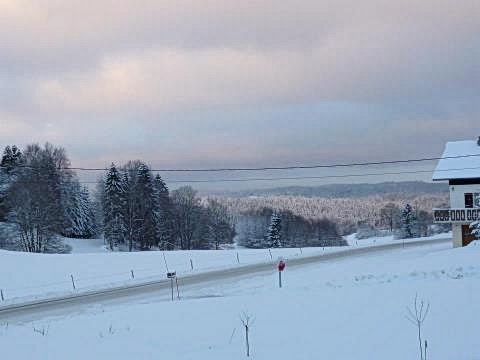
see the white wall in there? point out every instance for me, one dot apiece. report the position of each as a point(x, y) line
point(457, 194)
point(457, 200)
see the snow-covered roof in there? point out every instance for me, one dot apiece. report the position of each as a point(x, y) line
point(466, 167)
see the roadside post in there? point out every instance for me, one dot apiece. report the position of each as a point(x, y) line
point(281, 266)
point(173, 275)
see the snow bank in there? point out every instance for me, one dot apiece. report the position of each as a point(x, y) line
point(351, 308)
point(25, 276)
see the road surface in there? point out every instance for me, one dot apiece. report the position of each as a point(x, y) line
point(33, 310)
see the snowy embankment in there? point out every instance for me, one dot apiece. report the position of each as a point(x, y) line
point(26, 276)
point(353, 308)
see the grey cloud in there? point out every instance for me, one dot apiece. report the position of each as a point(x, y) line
point(206, 82)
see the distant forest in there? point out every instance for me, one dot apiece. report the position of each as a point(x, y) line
point(404, 188)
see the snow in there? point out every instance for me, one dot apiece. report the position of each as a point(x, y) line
point(353, 308)
point(459, 168)
point(46, 275)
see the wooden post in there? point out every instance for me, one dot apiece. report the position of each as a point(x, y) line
point(238, 258)
point(133, 275)
point(247, 342)
point(191, 264)
point(73, 282)
point(165, 260)
point(1, 293)
point(178, 292)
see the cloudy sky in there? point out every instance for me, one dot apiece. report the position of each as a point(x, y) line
point(239, 83)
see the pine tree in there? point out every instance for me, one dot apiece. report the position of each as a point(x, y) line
point(9, 170)
point(79, 212)
point(163, 214)
point(274, 231)
point(12, 157)
point(475, 226)
point(114, 227)
point(144, 190)
point(409, 220)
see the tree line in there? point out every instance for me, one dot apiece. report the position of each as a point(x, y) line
point(40, 199)
point(139, 213)
point(267, 228)
point(348, 213)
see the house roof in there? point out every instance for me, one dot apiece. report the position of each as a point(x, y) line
point(451, 166)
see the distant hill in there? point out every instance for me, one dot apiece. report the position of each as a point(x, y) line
point(350, 190)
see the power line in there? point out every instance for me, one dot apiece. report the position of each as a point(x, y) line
point(319, 177)
point(294, 167)
point(306, 177)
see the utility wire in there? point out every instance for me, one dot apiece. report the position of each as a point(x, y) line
point(319, 177)
point(320, 166)
point(303, 177)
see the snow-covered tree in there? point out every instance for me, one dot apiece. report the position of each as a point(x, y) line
point(10, 163)
point(35, 198)
point(144, 190)
point(114, 226)
point(163, 214)
point(274, 231)
point(79, 211)
point(11, 158)
point(220, 224)
point(475, 227)
point(409, 220)
point(187, 209)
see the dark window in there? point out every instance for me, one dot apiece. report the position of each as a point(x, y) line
point(469, 200)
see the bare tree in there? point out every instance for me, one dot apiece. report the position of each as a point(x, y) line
point(417, 316)
point(390, 216)
point(186, 209)
point(247, 321)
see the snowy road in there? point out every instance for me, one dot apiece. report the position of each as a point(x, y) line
point(75, 302)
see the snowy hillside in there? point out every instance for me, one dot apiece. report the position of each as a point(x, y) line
point(350, 308)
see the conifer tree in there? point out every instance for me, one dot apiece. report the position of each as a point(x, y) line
point(163, 214)
point(144, 190)
point(114, 227)
point(409, 220)
point(475, 227)
point(12, 158)
point(274, 231)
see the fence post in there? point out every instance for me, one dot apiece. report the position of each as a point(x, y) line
point(73, 282)
point(1, 293)
point(133, 275)
point(191, 264)
point(178, 291)
point(165, 260)
point(270, 252)
point(238, 258)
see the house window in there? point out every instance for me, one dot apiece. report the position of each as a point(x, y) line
point(469, 200)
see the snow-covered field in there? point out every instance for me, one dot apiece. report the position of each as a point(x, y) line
point(29, 276)
point(352, 308)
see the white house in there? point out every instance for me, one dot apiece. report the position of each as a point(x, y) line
point(460, 166)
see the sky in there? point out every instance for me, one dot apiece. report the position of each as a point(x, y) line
point(239, 83)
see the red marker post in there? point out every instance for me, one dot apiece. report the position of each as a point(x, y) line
point(281, 267)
